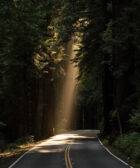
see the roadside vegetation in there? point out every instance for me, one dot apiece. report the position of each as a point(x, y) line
point(13, 151)
point(128, 145)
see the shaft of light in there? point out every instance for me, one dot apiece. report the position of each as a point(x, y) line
point(65, 110)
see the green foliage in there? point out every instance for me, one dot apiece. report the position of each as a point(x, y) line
point(129, 145)
point(25, 140)
point(19, 142)
point(23, 24)
point(135, 122)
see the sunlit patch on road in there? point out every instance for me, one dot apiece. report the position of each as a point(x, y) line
point(56, 144)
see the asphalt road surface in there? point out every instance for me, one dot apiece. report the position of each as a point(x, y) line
point(77, 149)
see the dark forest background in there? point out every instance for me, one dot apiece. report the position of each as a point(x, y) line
point(33, 36)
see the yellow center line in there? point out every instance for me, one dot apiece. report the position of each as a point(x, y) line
point(66, 161)
point(70, 163)
point(67, 157)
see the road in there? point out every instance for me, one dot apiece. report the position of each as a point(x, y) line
point(77, 149)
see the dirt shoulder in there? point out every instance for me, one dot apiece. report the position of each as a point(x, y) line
point(11, 155)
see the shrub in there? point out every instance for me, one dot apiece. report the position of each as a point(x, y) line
point(129, 145)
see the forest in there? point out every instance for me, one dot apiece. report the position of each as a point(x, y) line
point(35, 39)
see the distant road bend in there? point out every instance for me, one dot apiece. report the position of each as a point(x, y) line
point(77, 149)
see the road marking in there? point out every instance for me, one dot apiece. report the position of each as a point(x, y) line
point(67, 157)
point(13, 164)
point(114, 155)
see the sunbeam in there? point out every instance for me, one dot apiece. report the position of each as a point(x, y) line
point(66, 105)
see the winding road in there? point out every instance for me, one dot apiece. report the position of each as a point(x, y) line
point(76, 149)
